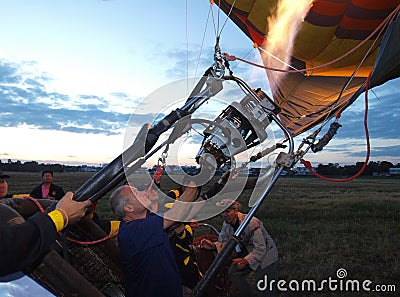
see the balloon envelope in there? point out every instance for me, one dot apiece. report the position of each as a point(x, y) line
point(329, 31)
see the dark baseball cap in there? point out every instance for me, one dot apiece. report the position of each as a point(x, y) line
point(2, 175)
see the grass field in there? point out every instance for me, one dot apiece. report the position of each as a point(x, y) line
point(318, 226)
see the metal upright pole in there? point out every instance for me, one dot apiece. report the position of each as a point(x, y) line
point(229, 246)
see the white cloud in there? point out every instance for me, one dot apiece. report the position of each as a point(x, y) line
point(23, 287)
point(57, 146)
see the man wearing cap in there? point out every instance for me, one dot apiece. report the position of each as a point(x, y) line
point(4, 185)
point(255, 256)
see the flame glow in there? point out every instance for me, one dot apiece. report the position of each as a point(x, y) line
point(283, 28)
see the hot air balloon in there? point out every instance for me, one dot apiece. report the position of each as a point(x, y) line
point(341, 49)
point(337, 45)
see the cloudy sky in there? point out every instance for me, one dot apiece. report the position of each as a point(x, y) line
point(21, 286)
point(73, 72)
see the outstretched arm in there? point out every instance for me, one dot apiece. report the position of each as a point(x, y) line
point(181, 208)
point(23, 244)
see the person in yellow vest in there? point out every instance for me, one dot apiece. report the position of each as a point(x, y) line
point(181, 236)
point(181, 239)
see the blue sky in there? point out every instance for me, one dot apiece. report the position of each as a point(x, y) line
point(72, 73)
point(22, 286)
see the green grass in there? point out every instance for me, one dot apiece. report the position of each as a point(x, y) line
point(318, 226)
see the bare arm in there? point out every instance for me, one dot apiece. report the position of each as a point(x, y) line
point(181, 208)
point(153, 197)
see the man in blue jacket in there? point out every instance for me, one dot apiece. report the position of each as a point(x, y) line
point(149, 263)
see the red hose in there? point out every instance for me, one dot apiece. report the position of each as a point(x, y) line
point(308, 165)
point(40, 207)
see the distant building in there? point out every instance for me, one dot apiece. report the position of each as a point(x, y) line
point(142, 170)
point(377, 174)
point(302, 171)
point(394, 171)
point(254, 171)
point(86, 168)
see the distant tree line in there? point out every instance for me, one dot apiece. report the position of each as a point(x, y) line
point(334, 169)
point(331, 169)
point(34, 166)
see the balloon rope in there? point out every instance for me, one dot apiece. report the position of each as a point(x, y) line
point(157, 175)
point(39, 206)
point(68, 238)
point(90, 242)
point(307, 164)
